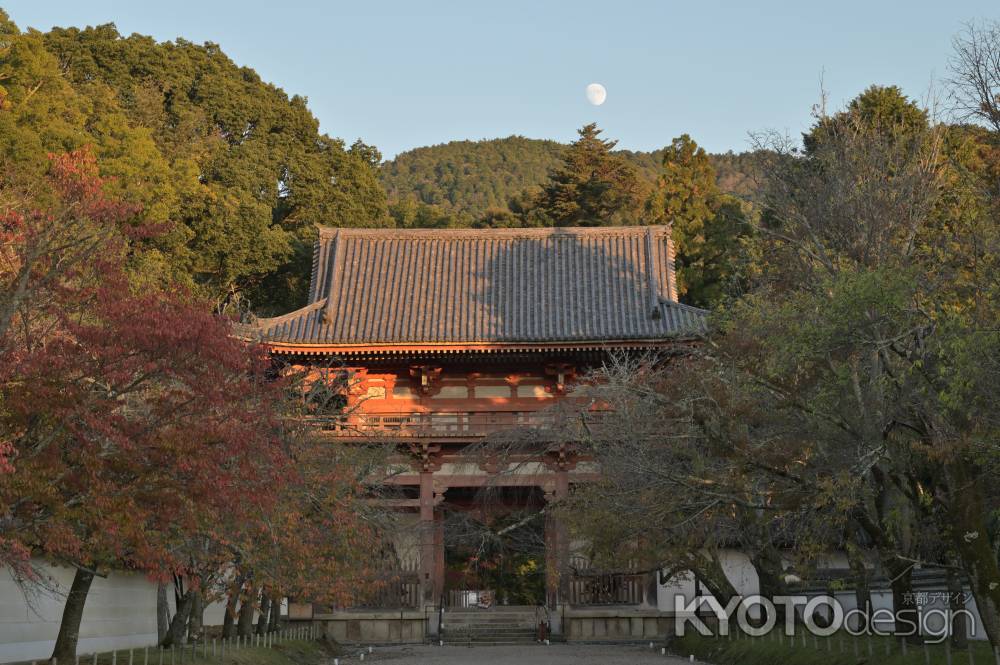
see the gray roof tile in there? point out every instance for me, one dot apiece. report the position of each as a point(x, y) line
point(510, 286)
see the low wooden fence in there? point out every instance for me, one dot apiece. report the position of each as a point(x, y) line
point(214, 650)
point(590, 586)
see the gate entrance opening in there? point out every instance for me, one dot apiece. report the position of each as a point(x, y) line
point(494, 542)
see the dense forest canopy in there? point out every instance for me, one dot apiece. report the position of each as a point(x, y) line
point(466, 180)
point(237, 168)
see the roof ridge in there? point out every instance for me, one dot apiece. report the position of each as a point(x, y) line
point(327, 232)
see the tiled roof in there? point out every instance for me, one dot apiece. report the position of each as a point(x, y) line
point(503, 286)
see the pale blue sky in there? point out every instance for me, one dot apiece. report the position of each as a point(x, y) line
point(406, 74)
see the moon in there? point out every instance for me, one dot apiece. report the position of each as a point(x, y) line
point(596, 94)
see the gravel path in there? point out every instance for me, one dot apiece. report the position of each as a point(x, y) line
point(556, 654)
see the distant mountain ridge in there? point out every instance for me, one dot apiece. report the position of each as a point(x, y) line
point(468, 178)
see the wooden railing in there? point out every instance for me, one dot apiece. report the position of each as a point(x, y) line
point(393, 589)
point(436, 424)
point(588, 586)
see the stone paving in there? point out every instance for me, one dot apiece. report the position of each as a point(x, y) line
point(556, 654)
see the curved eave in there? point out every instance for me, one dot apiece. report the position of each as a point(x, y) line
point(402, 350)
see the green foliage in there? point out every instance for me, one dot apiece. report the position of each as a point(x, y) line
point(464, 179)
point(467, 179)
point(883, 108)
point(708, 227)
point(236, 169)
point(592, 186)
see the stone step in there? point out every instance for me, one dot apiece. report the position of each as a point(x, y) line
point(497, 630)
point(489, 613)
point(497, 623)
point(490, 644)
point(506, 639)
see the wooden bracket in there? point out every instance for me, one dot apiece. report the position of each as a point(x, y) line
point(428, 378)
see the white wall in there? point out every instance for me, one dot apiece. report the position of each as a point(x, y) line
point(120, 613)
point(737, 568)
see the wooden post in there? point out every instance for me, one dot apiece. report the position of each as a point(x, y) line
point(426, 531)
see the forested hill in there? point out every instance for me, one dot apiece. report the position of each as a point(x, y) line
point(233, 170)
point(468, 178)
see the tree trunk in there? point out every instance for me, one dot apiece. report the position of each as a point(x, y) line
point(195, 621)
point(904, 602)
point(265, 606)
point(771, 578)
point(229, 621)
point(69, 627)
point(709, 572)
point(862, 585)
point(956, 603)
point(245, 626)
point(178, 626)
point(966, 510)
point(275, 613)
point(895, 517)
point(162, 612)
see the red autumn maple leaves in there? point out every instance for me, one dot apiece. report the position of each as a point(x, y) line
point(135, 430)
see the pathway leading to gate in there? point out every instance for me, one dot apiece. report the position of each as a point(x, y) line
point(556, 654)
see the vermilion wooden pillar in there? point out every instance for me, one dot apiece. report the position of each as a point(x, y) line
point(556, 546)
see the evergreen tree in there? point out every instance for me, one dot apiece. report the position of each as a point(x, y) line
point(592, 187)
point(882, 108)
point(707, 225)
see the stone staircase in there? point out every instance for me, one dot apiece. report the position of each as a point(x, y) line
point(500, 625)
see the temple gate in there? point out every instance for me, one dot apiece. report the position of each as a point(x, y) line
point(448, 336)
